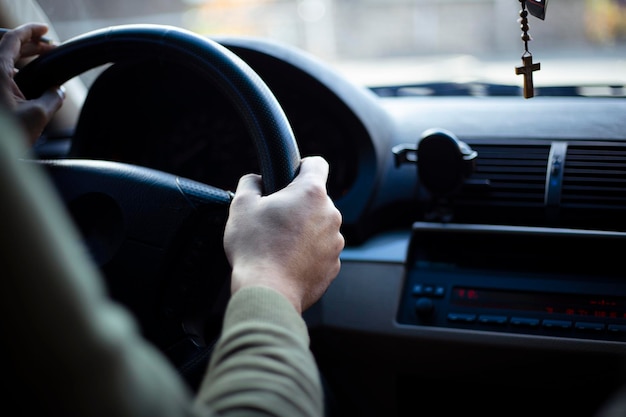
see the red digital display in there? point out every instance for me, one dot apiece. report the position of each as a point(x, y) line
point(567, 304)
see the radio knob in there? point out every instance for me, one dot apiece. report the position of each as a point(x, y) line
point(424, 307)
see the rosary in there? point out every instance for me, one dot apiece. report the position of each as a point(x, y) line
point(536, 8)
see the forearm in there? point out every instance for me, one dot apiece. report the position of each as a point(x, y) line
point(262, 364)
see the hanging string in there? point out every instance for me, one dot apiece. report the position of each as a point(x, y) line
point(523, 20)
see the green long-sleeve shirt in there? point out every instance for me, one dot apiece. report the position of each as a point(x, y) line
point(262, 361)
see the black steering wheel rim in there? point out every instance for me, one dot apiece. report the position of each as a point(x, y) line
point(268, 126)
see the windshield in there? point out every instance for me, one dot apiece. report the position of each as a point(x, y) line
point(396, 42)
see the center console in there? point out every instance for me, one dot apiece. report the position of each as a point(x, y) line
point(532, 280)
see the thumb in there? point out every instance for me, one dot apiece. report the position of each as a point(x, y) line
point(249, 185)
point(51, 101)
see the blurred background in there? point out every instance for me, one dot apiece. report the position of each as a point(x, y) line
point(376, 40)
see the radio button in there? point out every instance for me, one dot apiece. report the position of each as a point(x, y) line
point(524, 322)
point(589, 327)
point(424, 307)
point(462, 317)
point(557, 324)
point(491, 319)
point(428, 290)
point(617, 328)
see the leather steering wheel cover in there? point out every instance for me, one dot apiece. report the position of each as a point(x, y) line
point(277, 150)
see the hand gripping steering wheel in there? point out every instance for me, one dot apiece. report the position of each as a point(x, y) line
point(157, 237)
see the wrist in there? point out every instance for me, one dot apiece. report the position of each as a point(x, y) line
point(268, 278)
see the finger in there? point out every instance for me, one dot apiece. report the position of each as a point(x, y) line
point(30, 33)
point(37, 44)
point(312, 168)
point(23, 41)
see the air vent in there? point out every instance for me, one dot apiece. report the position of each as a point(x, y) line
point(507, 175)
point(594, 177)
point(594, 186)
point(509, 180)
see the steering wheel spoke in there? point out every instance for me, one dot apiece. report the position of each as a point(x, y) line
point(114, 199)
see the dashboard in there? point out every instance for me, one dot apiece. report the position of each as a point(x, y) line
point(495, 250)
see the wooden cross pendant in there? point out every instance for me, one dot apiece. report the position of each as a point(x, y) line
point(527, 69)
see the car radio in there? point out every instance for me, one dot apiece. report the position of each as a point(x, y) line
point(505, 279)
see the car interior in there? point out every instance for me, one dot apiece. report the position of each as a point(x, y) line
point(485, 222)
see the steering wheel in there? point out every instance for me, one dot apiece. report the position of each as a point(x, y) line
point(157, 237)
